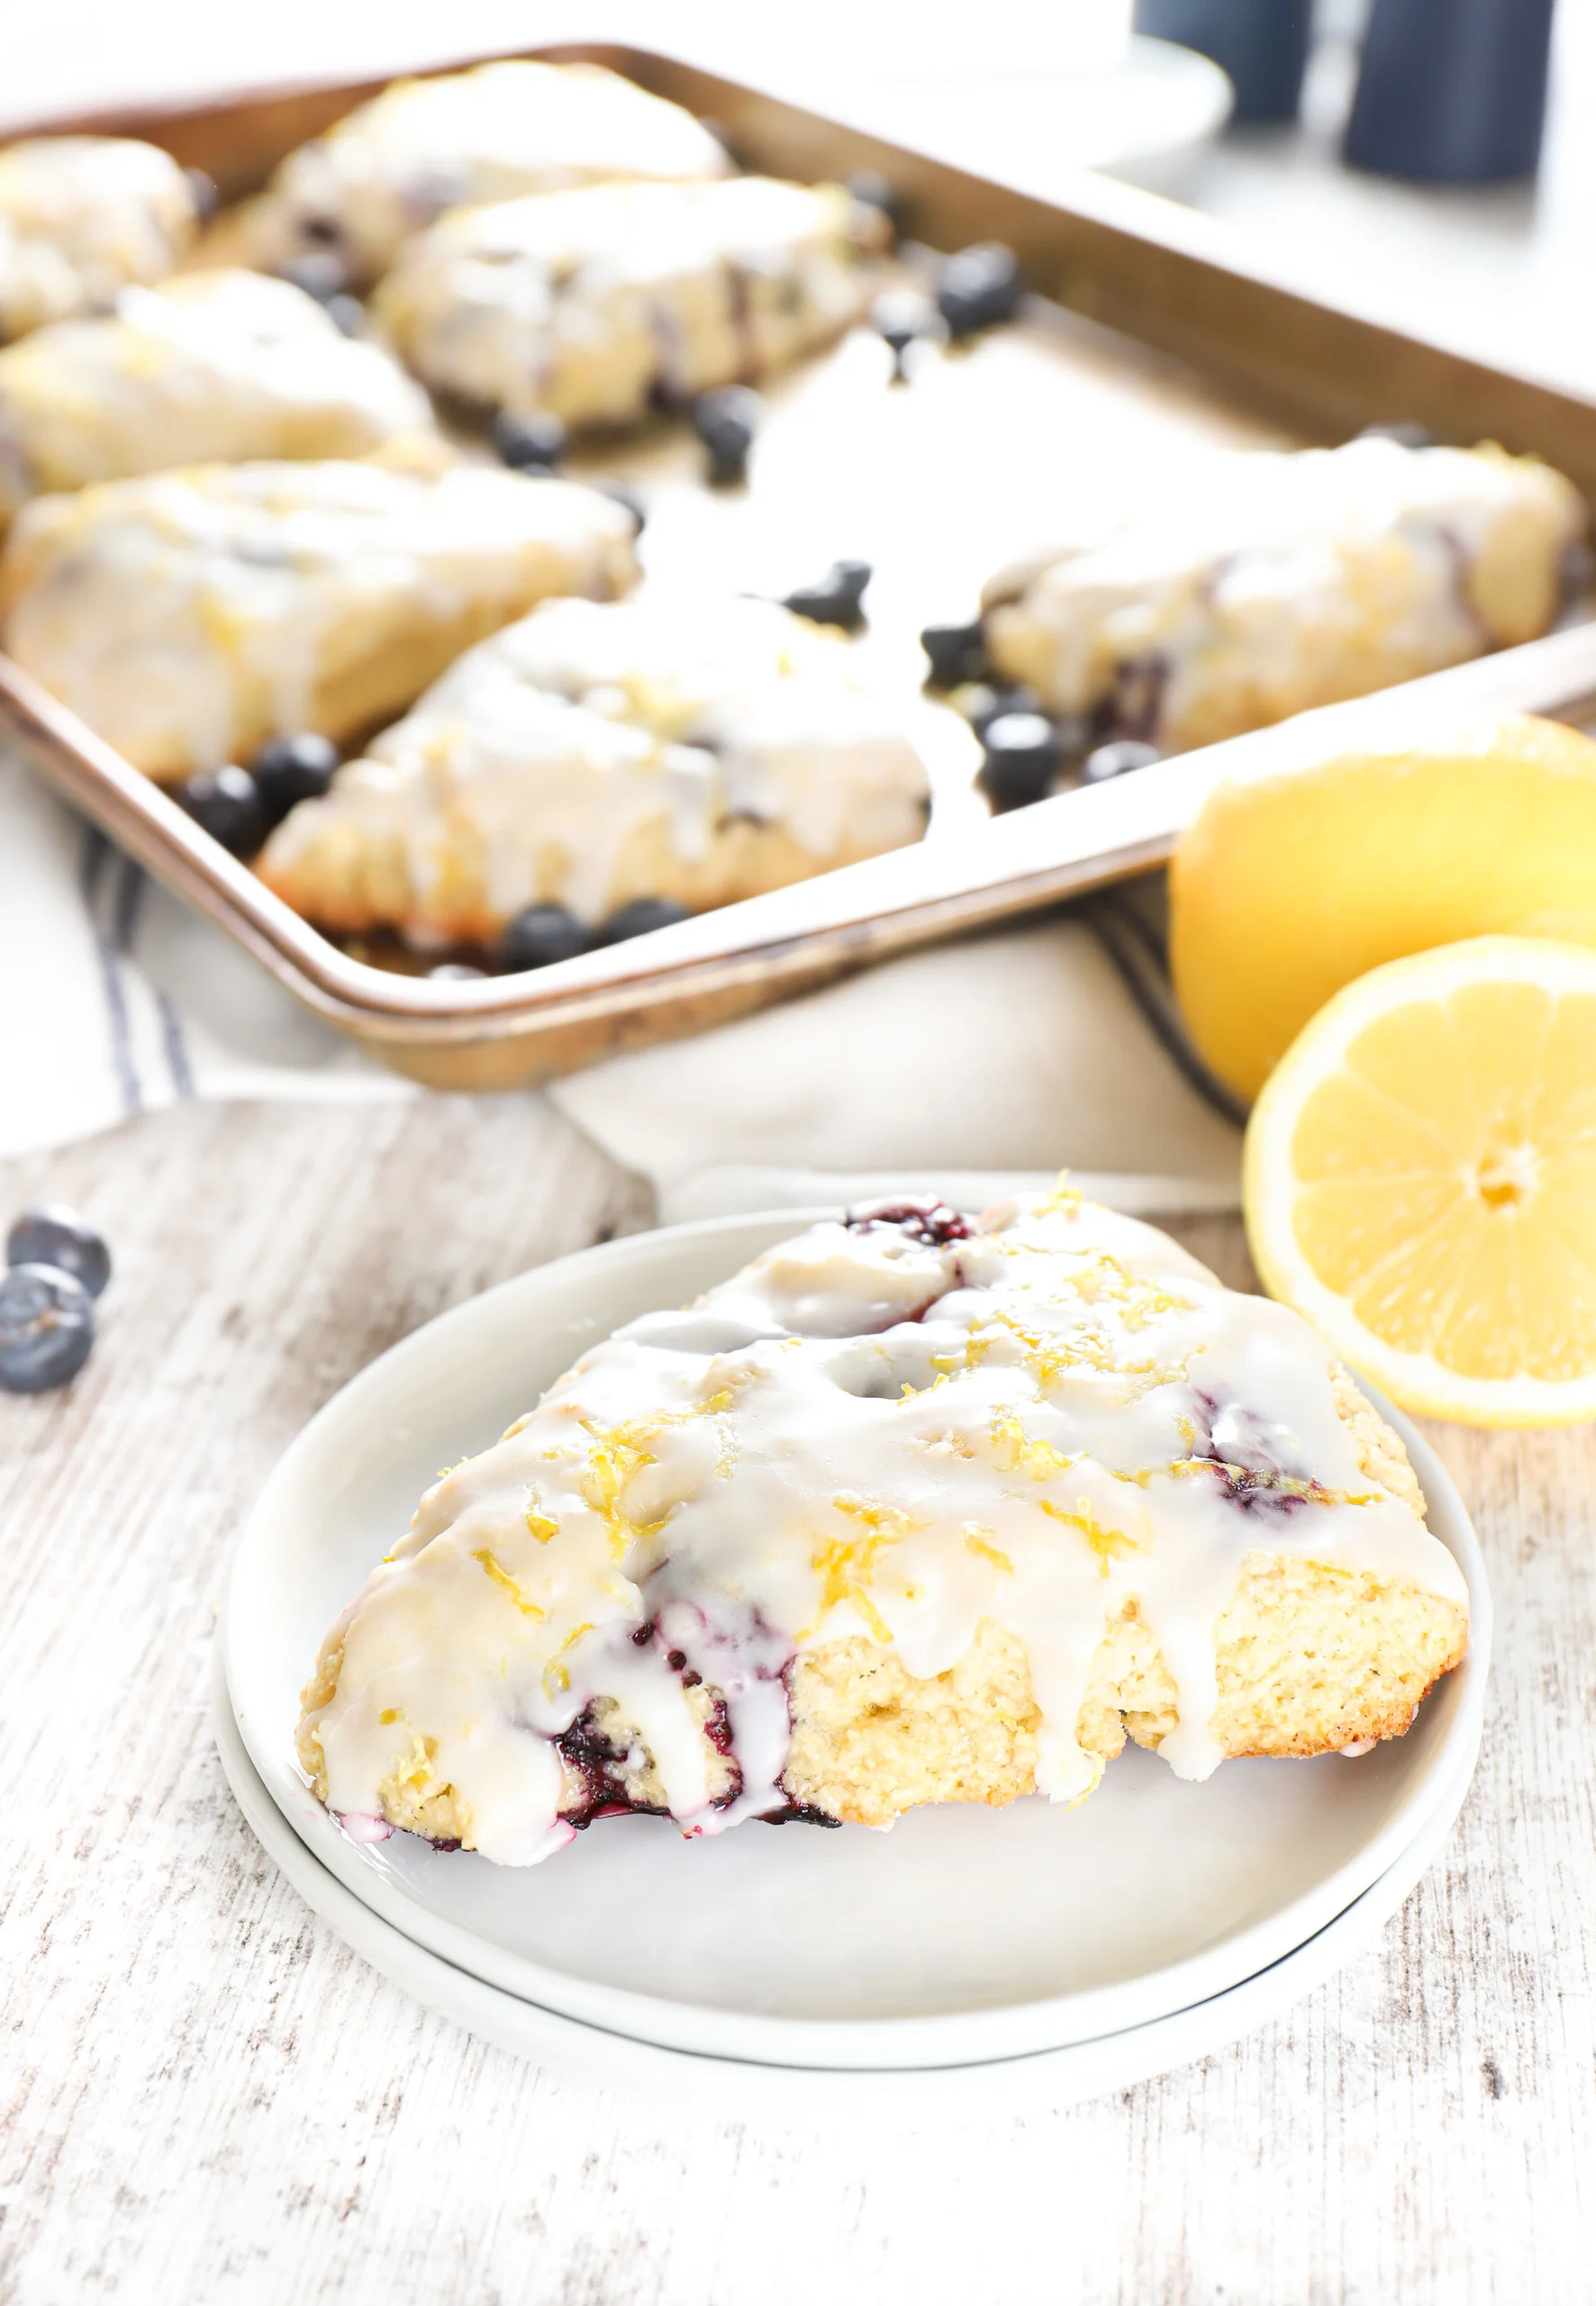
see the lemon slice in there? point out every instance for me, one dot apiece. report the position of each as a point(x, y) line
point(1421, 1180)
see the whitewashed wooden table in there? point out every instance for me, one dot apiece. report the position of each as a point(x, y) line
point(207, 2098)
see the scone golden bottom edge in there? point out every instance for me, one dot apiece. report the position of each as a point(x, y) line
point(913, 1509)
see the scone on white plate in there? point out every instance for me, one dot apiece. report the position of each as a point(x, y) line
point(215, 367)
point(82, 217)
point(1283, 582)
point(913, 1509)
point(190, 616)
point(587, 757)
point(595, 304)
point(396, 164)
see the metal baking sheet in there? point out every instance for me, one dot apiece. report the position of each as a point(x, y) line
point(1156, 340)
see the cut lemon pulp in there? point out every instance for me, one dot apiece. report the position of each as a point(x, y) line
point(1421, 1180)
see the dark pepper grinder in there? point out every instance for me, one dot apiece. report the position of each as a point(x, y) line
point(1452, 91)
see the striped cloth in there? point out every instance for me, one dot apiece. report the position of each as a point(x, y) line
point(973, 1068)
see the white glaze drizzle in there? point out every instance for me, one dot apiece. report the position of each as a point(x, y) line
point(863, 1432)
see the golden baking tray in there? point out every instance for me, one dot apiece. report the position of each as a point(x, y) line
point(1162, 332)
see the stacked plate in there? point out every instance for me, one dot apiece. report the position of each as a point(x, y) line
point(969, 1960)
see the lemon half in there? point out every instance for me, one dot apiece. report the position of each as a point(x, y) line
point(1421, 1180)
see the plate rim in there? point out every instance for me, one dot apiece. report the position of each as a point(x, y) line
point(924, 2039)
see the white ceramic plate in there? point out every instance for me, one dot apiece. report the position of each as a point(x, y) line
point(964, 1935)
point(731, 2090)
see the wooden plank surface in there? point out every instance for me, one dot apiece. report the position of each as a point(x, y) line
point(203, 2096)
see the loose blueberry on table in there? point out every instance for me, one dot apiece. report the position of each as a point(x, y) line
point(541, 934)
point(957, 653)
point(726, 422)
point(47, 1328)
point(1022, 757)
point(839, 597)
point(530, 444)
point(1118, 759)
point(226, 802)
point(52, 1234)
point(899, 316)
point(979, 287)
point(291, 769)
point(990, 700)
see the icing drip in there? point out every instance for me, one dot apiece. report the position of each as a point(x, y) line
point(897, 1426)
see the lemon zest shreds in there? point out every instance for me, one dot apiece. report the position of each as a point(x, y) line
point(845, 1565)
point(1105, 1543)
point(418, 1770)
point(979, 1540)
point(540, 1525)
point(501, 1576)
point(1063, 1200)
point(557, 1673)
point(1275, 1485)
point(1039, 1460)
point(390, 1713)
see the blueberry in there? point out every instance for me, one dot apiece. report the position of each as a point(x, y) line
point(871, 189)
point(638, 918)
point(203, 192)
point(1406, 436)
point(57, 1235)
point(224, 801)
point(837, 599)
point(1118, 759)
point(627, 497)
point(979, 286)
point(458, 972)
point(318, 272)
point(291, 769)
point(347, 313)
point(543, 934)
point(532, 443)
point(985, 703)
point(899, 316)
point(957, 653)
point(1024, 756)
point(47, 1327)
point(726, 423)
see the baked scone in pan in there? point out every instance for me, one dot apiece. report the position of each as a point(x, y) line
point(1288, 581)
point(396, 164)
point(215, 367)
point(598, 304)
point(82, 217)
point(911, 1510)
point(586, 756)
point(190, 616)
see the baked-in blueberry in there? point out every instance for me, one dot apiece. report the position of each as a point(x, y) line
point(1118, 759)
point(1406, 436)
point(291, 769)
point(543, 934)
point(224, 801)
point(957, 653)
point(638, 918)
point(318, 272)
point(534, 443)
point(1022, 755)
point(979, 287)
point(838, 599)
point(47, 1327)
point(53, 1234)
point(726, 422)
point(203, 192)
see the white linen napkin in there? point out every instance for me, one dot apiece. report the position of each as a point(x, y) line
point(969, 1068)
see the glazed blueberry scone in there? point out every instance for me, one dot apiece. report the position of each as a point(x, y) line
point(598, 304)
point(910, 1509)
point(396, 164)
point(82, 217)
point(1286, 582)
point(588, 755)
point(191, 616)
point(216, 367)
